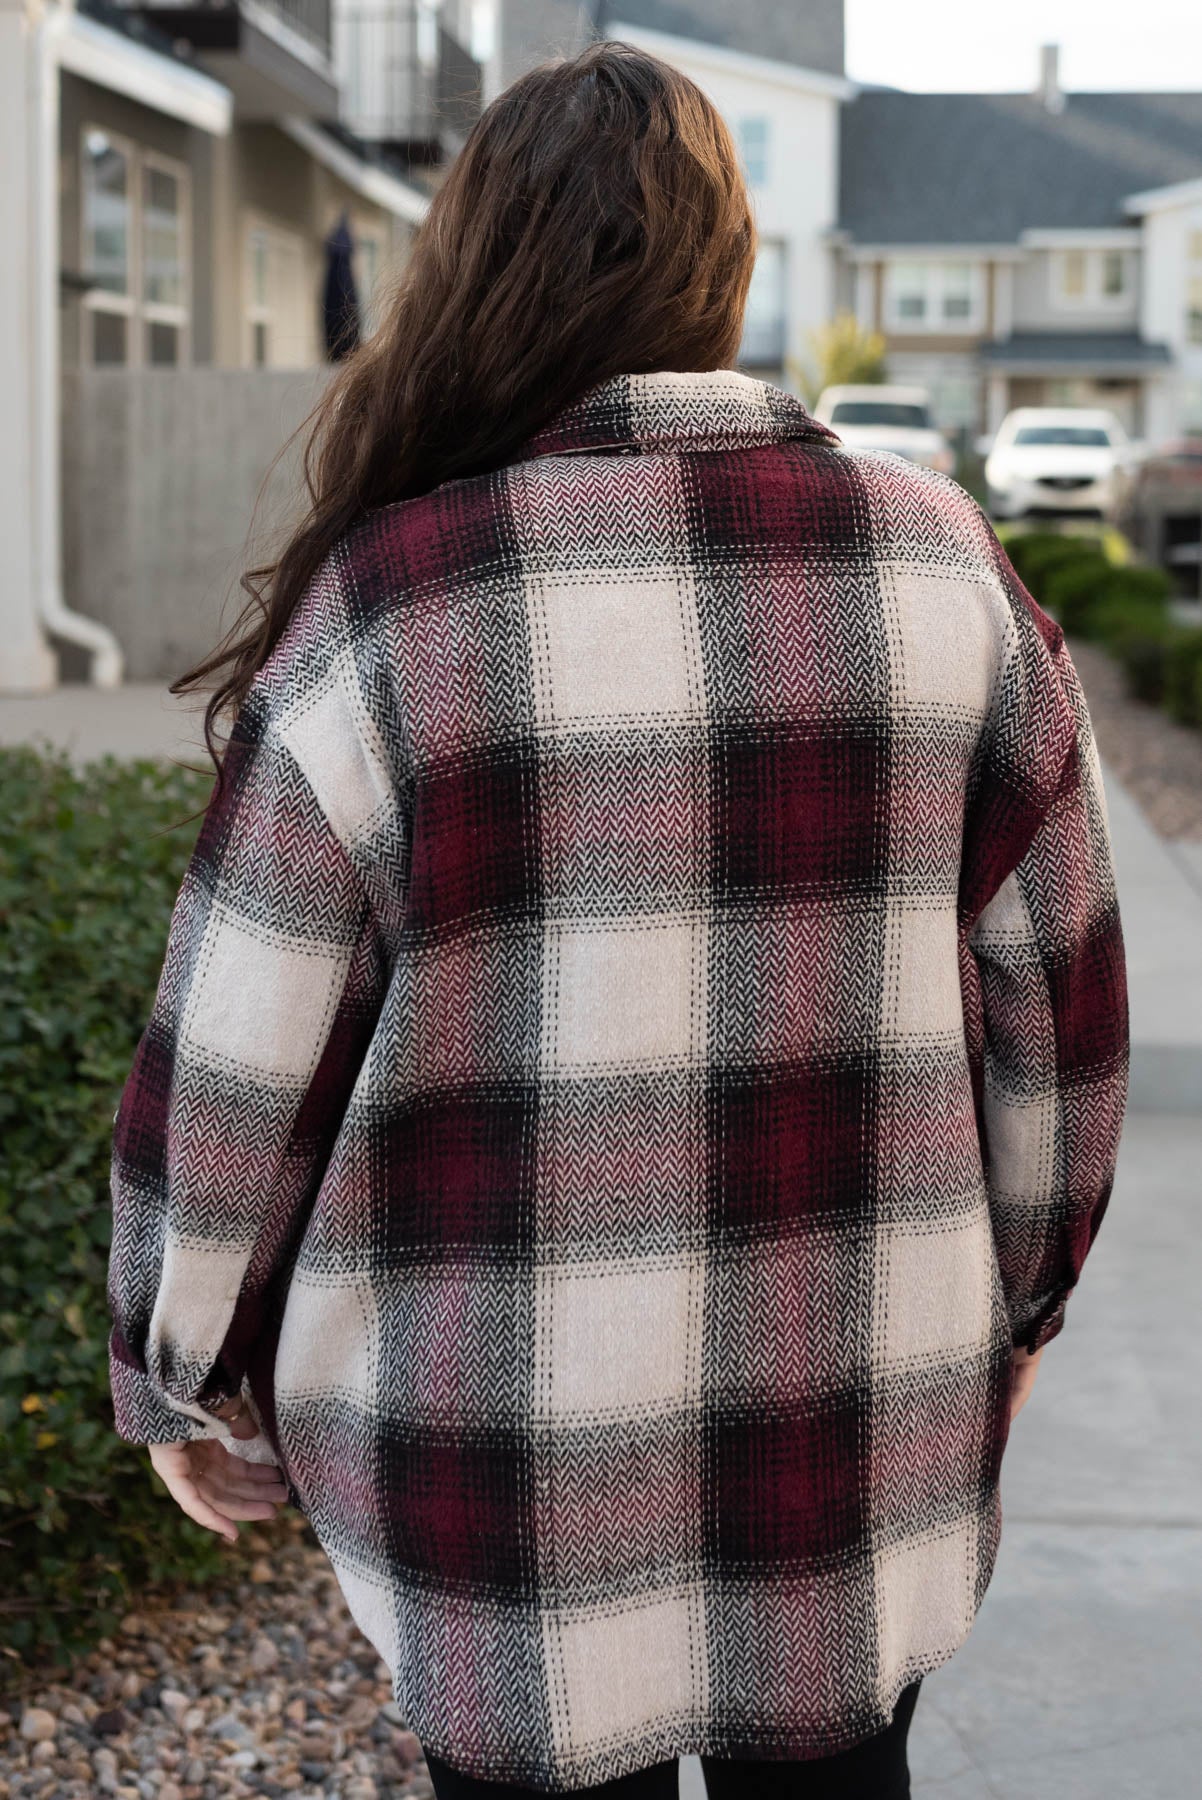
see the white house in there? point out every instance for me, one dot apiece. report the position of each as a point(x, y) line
point(1170, 222)
point(1010, 250)
point(785, 121)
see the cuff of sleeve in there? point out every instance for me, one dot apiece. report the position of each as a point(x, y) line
point(1046, 1324)
point(145, 1415)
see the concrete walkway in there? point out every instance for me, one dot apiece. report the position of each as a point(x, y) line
point(1160, 898)
point(138, 719)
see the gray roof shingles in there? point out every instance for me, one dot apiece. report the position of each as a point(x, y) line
point(810, 35)
point(982, 168)
point(1062, 347)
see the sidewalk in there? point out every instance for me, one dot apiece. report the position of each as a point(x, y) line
point(137, 719)
point(1160, 898)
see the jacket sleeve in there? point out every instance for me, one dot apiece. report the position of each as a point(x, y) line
point(1046, 971)
point(273, 978)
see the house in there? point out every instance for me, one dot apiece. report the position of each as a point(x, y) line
point(171, 175)
point(411, 76)
point(1029, 249)
point(775, 72)
point(181, 244)
point(1013, 249)
point(173, 168)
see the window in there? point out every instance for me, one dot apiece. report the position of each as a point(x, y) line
point(134, 232)
point(426, 33)
point(1091, 277)
point(107, 248)
point(482, 30)
point(1114, 274)
point(956, 292)
point(281, 321)
point(1074, 267)
point(1193, 288)
point(164, 308)
point(754, 137)
point(369, 258)
point(933, 296)
point(1087, 436)
point(257, 311)
point(763, 342)
point(902, 415)
point(908, 284)
point(107, 211)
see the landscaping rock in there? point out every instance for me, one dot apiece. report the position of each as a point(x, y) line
point(261, 1686)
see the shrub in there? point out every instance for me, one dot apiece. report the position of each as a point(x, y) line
point(1117, 622)
point(1084, 594)
point(1143, 660)
point(1072, 589)
point(88, 874)
point(1183, 676)
point(1035, 554)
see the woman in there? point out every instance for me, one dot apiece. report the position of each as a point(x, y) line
point(642, 1042)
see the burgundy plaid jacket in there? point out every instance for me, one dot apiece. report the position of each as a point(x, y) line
point(642, 1038)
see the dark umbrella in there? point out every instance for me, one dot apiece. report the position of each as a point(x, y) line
point(340, 302)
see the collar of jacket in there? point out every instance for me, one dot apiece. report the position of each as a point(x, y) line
point(719, 409)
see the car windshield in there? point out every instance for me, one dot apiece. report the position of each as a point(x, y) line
point(1095, 436)
point(881, 412)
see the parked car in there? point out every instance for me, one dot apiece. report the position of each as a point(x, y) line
point(1055, 459)
point(876, 417)
point(1158, 505)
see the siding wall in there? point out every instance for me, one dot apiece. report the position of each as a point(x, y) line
point(161, 469)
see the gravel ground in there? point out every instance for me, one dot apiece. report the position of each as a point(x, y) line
point(1158, 761)
point(264, 1688)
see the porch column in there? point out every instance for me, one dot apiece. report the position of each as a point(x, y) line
point(997, 402)
point(1160, 411)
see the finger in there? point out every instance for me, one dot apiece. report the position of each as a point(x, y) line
point(221, 1463)
point(237, 1415)
point(243, 1427)
point(219, 1492)
point(229, 1506)
point(227, 1484)
point(166, 1459)
point(261, 1472)
point(187, 1496)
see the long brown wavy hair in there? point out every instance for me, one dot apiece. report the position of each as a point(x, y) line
point(595, 223)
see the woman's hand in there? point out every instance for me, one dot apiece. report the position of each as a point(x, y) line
point(215, 1488)
point(1026, 1367)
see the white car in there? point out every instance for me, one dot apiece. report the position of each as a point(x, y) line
point(873, 416)
point(1059, 459)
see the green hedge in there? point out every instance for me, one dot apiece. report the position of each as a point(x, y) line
point(89, 868)
point(1036, 553)
point(1183, 676)
point(1121, 606)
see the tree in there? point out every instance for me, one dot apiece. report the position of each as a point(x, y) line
point(841, 351)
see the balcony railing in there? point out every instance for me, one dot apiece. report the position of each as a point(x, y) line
point(402, 84)
point(308, 19)
point(311, 18)
point(458, 84)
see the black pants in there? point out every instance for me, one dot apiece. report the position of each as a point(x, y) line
point(875, 1769)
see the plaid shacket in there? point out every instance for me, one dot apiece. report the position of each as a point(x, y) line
point(642, 1038)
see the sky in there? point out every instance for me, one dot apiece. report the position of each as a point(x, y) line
point(979, 46)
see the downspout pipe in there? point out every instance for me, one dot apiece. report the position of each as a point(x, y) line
point(107, 660)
